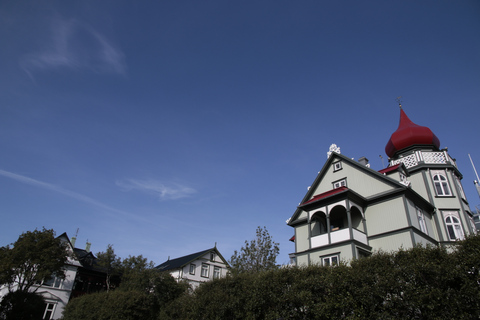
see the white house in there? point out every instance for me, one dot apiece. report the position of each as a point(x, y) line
point(351, 210)
point(55, 291)
point(197, 267)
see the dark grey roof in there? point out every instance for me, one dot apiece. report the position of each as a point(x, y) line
point(182, 261)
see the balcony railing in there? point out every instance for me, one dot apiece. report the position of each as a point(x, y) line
point(428, 157)
point(338, 236)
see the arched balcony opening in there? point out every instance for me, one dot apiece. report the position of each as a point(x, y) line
point(338, 218)
point(318, 223)
point(357, 219)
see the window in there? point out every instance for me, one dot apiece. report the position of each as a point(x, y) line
point(205, 270)
point(192, 268)
point(212, 256)
point(49, 307)
point(340, 183)
point(459, 186)
point(454, 227)
point(421, 220)
point(440, 183)
point(52, 282)
point(363, 253)
point(216, 272)
point(337, 166)
point(330, 261)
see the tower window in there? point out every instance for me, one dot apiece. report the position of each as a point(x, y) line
point(421, 220)
point(440, 183)
point(453, 225)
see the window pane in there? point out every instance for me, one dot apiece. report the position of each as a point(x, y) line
point(451, 232)
point(334, 260)
point(438, 188)
point(445, 188)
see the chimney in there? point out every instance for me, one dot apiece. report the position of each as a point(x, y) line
point(363, 161)
point(87, 247)
point(73, 241)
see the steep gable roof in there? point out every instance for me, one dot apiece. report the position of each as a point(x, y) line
point(358, 166)
point(183, 261)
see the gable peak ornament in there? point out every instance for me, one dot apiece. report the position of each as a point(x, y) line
point(333, 148)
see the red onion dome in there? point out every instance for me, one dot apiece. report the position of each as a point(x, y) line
point(409, 134)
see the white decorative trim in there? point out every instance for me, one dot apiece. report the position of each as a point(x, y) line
point(333, 148)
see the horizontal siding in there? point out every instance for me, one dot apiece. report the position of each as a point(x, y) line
point(364, 184)
point(392, 242)
point(301, 238)
point(344, 251)
point(386, 216)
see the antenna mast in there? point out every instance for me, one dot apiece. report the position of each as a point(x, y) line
point(475, 182)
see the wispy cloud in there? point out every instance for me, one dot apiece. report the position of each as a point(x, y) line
point(157, 188)
point(76, 45)
point(58, 189)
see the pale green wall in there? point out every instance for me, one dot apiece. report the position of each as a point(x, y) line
point(362, 183)
point(392, 242)
point(302, 242)
point(386, 216)
point(302, 260)
point(345, 253)
point(421, 240)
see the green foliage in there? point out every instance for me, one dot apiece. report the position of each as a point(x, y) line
point(22, 305)
point(160, 285)
point(35, 256)
point(257, 255)
point(144, 293)
point(420, 283)
point(116, 304)
point(110, 263)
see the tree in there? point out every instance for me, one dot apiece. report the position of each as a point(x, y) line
point(22, 305)
point(257, 255)
point(35, 256)
point(111, 264)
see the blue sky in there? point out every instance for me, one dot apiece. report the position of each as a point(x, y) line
point(164, 127)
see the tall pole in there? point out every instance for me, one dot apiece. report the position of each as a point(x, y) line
point(478, 179)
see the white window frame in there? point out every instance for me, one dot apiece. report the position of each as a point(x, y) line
point(332, 260)
point(337, 166)
point(340, 183)
point(217, 272)
point(453, 225)
point(459, 185)
point(192, 268)
point(53, 282)
point(421, 220)
point(212, 256)
point(49, 307)
point(205, 270)
point(440, 183)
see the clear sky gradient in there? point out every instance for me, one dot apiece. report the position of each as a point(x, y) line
point(164, 127)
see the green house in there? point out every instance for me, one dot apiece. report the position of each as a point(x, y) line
point(351, 210)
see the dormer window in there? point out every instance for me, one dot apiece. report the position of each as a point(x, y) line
point(340, 183)
point(440, 183)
